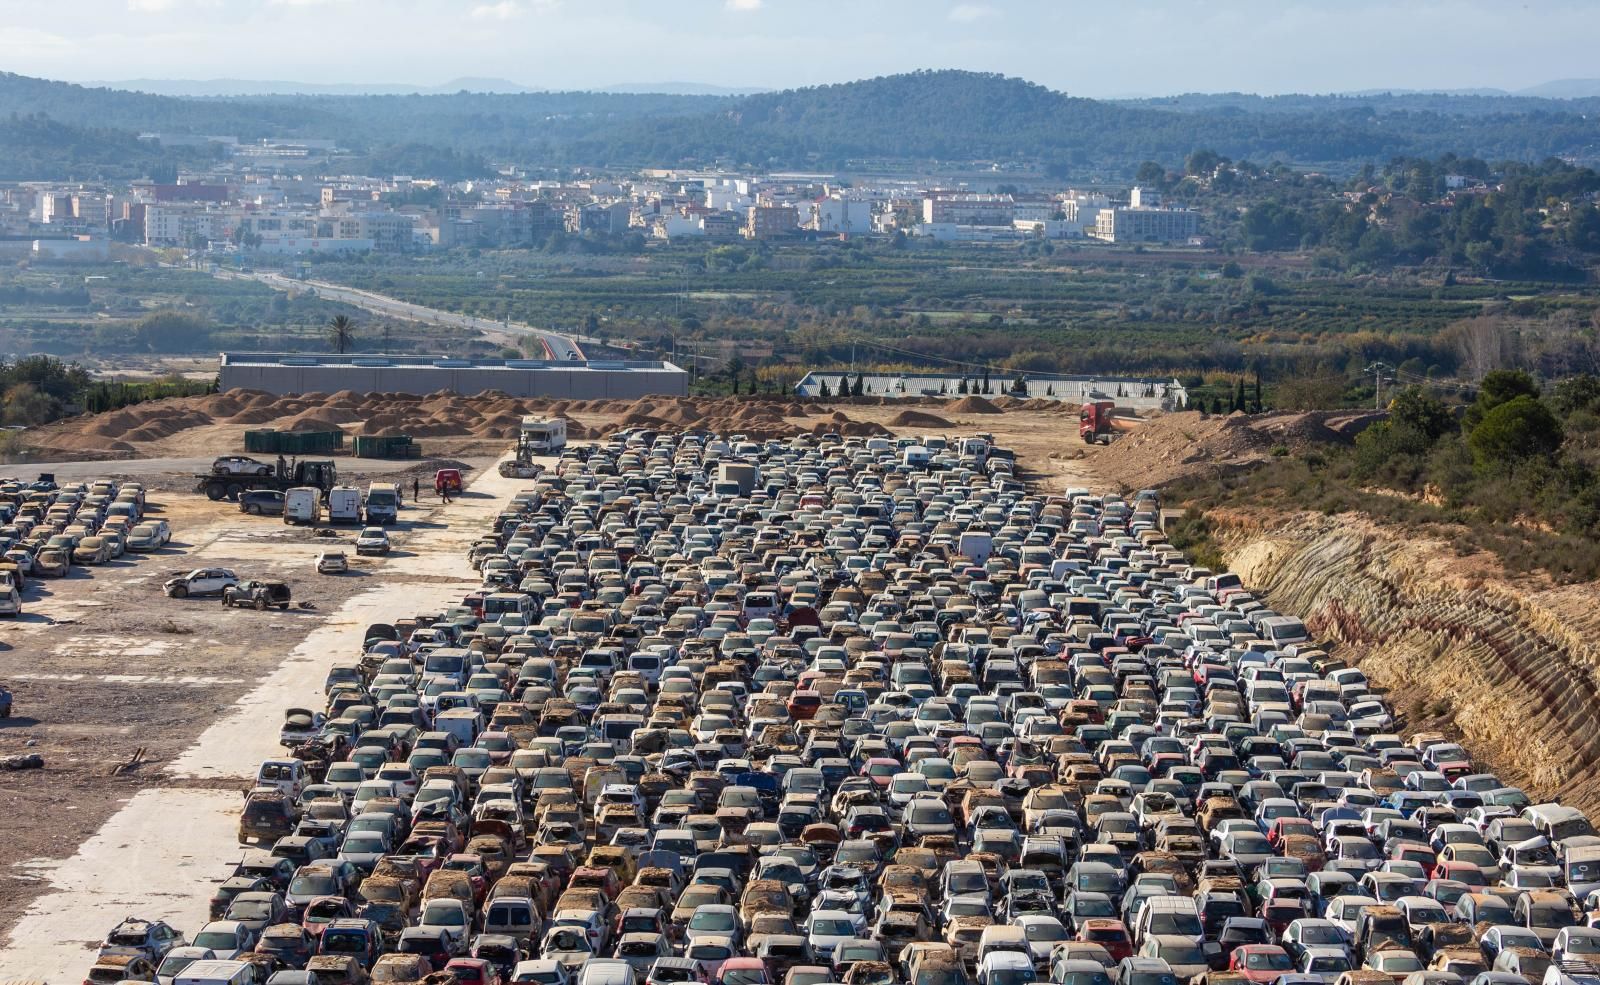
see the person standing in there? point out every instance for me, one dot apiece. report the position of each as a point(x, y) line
point(416, 486)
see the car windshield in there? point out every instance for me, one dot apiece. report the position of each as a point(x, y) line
point(217, 940)
point(174, 963)
point(1268, 961)
point(833, 927)
point(744, 976)
point(313, 884)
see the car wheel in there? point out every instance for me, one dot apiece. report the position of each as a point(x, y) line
point(264, 471)
point(262, 605)
point(235, 490)
point(253, 509)
point(179, 591)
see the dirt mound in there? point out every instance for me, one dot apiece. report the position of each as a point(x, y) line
point(918, 419)
point(1172, 446)
point(973, 405)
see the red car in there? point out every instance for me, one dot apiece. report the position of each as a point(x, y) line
point(325, 910)
point(1110, 934)
point(474, 971)
point(1288, 826)
point(881, 770)
point(1261, 963)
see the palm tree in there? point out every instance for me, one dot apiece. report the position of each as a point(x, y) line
point(342, 333)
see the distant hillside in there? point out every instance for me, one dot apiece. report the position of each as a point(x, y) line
point(923, 116)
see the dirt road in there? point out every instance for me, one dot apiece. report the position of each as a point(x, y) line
point(160, 854)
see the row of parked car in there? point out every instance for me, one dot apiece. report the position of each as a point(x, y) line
point(47, 528)
point(834, 716)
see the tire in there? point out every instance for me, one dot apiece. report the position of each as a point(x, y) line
point(215, 491)
point(253, 509)
point(262, 605)
point(235, 490)
point(180, 592)
point(264, 471)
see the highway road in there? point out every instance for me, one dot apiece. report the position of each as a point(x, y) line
point(556, 346)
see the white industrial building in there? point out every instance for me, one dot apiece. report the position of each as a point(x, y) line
point(1136, 393)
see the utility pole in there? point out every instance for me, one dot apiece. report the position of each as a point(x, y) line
point(1377, 370)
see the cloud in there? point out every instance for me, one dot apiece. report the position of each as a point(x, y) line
point(502, 11)
point(744, 5)
point(150, 6)
point(966, 13)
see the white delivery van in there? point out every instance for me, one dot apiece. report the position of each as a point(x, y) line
point(383, 503)
point(302, 504)
point(916, 457)
point(344, 505)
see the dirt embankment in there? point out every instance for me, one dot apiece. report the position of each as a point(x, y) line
point(1510, 666)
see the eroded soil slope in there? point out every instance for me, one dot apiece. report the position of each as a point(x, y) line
point(1511, 666)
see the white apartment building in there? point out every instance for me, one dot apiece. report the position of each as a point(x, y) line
point(1145, 225)
point(836, 214)
point(968, 209)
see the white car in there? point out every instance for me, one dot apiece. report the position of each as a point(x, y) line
point(373, 540)
point(332, 563)
point(201, 581)
point(240, 465)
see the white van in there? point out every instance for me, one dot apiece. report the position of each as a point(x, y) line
point(463, 723)
point(217, 973)
point(1283, 630)
point(916, 457)
point(344, 505)
point(977, 545)
point(302, 504)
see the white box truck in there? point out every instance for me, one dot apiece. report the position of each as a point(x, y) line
point(344, 504)
point(302, 504)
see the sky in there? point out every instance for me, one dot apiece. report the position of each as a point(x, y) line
point(1135, 47)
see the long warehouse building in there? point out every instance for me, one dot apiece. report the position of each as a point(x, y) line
point(284, 373)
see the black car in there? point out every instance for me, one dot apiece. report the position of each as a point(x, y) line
point(261, 502)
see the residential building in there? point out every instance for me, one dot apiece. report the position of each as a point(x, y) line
point(771, 221)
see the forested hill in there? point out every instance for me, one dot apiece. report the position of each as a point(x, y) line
point(924, 116)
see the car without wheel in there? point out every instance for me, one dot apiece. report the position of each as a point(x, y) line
point(200, 581)
point(261, 595)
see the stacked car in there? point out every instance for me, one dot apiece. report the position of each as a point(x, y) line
point(784, 729)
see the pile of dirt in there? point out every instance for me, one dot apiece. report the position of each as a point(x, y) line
point(489, 416)
point(1174, 446)
point(918, 419)
point(972, 405)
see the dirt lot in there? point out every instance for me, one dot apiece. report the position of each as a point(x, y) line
point(103, 666)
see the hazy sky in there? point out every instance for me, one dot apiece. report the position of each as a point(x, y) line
point(1095, 49)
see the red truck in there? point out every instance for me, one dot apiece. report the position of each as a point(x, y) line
point(1099, 421)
